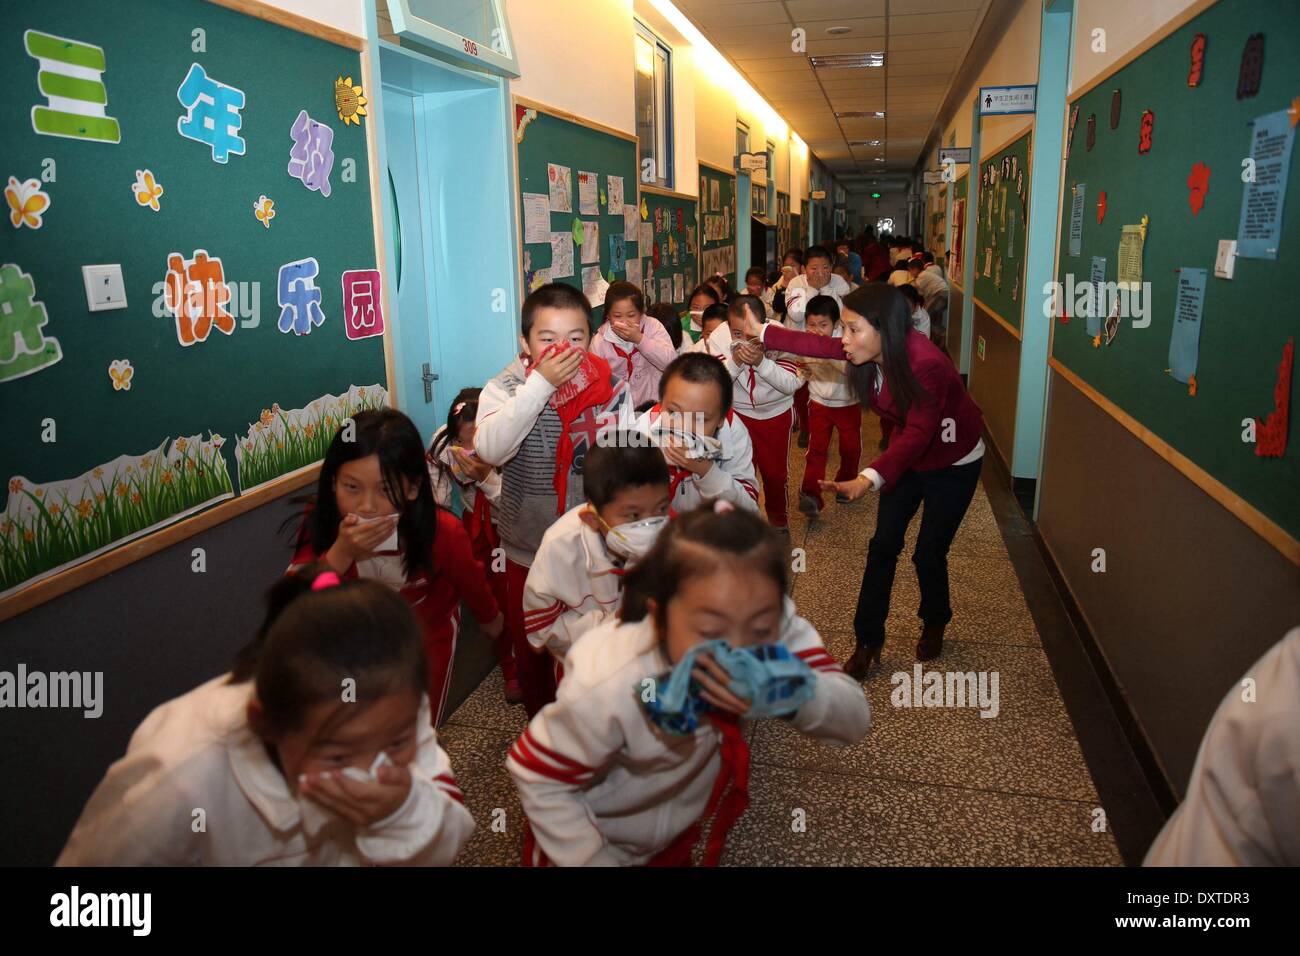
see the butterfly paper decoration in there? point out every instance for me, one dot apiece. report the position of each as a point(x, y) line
point(121, 372)
point(27, 203)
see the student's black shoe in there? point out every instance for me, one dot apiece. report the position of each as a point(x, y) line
point(930, 645)
point(841, 499)
point(803, 439)
point(863, 660)
point(808, 505)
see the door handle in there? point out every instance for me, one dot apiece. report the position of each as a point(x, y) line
point(429, 376)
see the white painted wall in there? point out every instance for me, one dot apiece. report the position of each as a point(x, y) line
point(346, 15)
point(1014, 62)
point(1126, 25)
point(588, 73)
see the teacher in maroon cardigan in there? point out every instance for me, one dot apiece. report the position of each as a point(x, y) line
point(932, 457)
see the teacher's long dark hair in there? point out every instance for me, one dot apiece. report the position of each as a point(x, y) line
point(886, 310)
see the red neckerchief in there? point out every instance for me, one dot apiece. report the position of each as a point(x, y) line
point(727, 803)
point(480, 519)
point(597, 393)
point(625, 356)
point(752, 403)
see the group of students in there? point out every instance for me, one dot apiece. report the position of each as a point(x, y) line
point(609, 543)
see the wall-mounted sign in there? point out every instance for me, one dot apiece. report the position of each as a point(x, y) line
point(752, 162)
point(819, 194)
point(961, 155)
point(1005, 100)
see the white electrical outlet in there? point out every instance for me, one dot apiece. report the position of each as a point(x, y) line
point(104, 287)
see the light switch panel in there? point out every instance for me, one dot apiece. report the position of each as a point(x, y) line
point(1226, 260)
point(104, 287)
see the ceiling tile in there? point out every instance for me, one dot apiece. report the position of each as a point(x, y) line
point(812, 10)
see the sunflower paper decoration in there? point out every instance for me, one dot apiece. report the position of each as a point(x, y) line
point(350, 100)
point(146, 189)
point(264, 210)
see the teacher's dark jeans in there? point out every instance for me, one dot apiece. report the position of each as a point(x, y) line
point(946, 494)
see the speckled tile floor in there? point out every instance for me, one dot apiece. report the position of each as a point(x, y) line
point(929, 786)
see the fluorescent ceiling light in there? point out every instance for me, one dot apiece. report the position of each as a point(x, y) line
point(848, 61)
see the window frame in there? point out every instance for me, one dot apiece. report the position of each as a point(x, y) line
point(661, 52)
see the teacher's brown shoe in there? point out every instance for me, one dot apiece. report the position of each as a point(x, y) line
point(930, 645)
point(863, 660)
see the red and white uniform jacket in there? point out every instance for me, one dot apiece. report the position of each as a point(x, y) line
point(765, 390)
point(640, 365)
point(199, 751)
point(799, 293)
point(828, 379)
point(435, 598)
point(574, 585)
point(602, 786)
point(731, 477)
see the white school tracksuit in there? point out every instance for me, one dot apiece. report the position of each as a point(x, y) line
point(198, 751)
point(443, 479)
point(574, 585)
point(763, 397)
point(602, 786)
point(798, 294)
point(731, 477)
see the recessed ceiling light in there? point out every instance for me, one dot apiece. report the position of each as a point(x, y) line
point(847, 61)
point(838, 31)
point(861, 114)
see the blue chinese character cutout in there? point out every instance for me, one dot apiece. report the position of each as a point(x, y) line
point(213, 114)
point(298, 297)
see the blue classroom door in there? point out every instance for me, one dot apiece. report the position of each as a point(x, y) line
point(412, 353)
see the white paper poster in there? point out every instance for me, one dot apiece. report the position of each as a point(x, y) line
point(561, 255)
point(679, 291)
point(537, 217)
point(590, 242)
point(560, 181)
point(1076, 218)
point(633, 267)
point(594, 285)
point(665, 290)
point(614, 191)
point(647, 238)
point(587, 205)
point(631, 222)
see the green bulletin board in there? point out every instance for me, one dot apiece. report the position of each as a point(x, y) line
point(1247, 320)
point(119, 428)
point(564, 146)
point(957, 229)
point(1000, 230)
point(671, 221)
point(717, 223)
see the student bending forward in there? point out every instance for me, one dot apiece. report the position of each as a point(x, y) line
point(600, 781)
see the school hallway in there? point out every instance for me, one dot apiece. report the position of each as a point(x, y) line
point(927, 786)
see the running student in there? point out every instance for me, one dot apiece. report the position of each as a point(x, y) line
point(706, 445)
point(373, 516)
point(831, 405)
point(285, 772)
point(577, 575)
point(536, 420)
point(600, 782)
point(763, 387)
point(453, 464)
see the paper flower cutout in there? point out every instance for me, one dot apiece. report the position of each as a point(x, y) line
point(1270, 432)
point(121, 372)
point(1101, 207)
point(264, 210)
point(146, 189)
point(350, 101)
point(27, 203)
point(1294, 111)
point(1191, 385)
point(1198, 184)
point(523, 116)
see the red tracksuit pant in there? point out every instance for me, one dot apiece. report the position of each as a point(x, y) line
point(534, 669)
point(821, 419)
point(771, 440)
point(801, 407)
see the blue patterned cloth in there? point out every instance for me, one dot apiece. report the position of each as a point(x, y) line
point(775, 681)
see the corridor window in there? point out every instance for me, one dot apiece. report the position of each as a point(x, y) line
point(654, 109)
